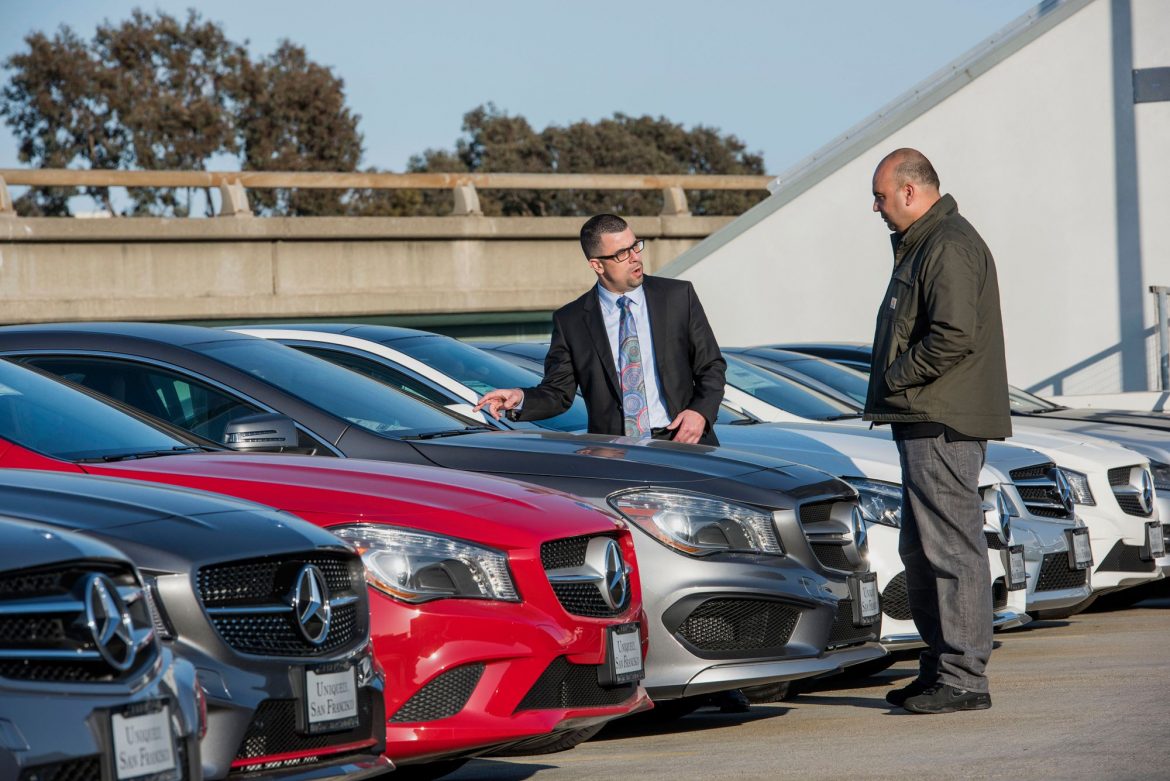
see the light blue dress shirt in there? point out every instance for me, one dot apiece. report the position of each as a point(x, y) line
point(611, 314)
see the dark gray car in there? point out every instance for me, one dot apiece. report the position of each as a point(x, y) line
point(87, 690)
point(728, 606)
point(271, 610)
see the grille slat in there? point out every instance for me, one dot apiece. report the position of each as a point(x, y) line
point(1056, 575)
point(831, 555)
point(735, 624)
point(896, 598)
point(84, 769)
point(994, 542)
point(567, 685)
point(999, 594)
point(844, 632)
point(443, 696)
point(1037, 487)
point(569, 552)
point(1126, 558)
point(579, 599)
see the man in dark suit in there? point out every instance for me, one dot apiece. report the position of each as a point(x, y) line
point(639, 348)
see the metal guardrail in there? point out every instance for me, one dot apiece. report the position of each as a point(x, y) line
point(233, 185)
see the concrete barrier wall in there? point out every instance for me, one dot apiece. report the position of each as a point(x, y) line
point(56, 269)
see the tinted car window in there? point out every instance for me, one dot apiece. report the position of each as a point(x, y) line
point(340, 392)
point(43, 415)
point(482, 372)
point(378, 371)
point(783, 393)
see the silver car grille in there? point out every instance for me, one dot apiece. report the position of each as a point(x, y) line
point(74, 622)
point(576, 581)
point(1040, 487)
point(255, 607)
point(834, 547)
point(1133, 488)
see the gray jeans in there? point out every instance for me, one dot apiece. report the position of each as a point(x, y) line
point(945, 554)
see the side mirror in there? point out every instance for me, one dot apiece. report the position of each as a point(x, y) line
point(266, 432)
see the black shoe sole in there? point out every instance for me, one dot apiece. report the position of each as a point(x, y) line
point(952, 708)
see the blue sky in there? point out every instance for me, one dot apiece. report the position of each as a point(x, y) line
point(784, 76)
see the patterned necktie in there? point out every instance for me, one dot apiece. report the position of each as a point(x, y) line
point(637, 417)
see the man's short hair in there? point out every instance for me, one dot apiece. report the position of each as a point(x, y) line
point(595, 228)
point(912, 166)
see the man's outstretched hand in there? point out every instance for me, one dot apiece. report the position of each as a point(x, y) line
point(688, 427)
point(500, 400)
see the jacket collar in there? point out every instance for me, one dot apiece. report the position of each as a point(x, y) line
point(904, 242)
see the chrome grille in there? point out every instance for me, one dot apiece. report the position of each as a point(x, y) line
point(44, 634)
point(1127, 489)
point(250, 603)
point(577, 598)
point(1039, 489)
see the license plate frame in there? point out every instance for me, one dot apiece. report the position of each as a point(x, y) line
point(1078, 544)
point(867, 605)
point(623, 644)
point(1013, 565)
point(1155, 544)
point(153, 717)
point(329, 699)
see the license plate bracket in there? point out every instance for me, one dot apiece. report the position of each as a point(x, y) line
point(145, 747)
point(1080, 552)
point(863, 591)
point(1155, 547)
point(623, 656)
point(1014, 567)
point(330, 699)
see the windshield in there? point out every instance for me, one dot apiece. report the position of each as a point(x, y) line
point(840, 378)
point(51, 418)
point(1022, 401)
point(360, 400)
point(783, 393)
point(482, 372)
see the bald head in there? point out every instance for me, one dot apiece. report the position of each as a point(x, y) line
point(905, 186)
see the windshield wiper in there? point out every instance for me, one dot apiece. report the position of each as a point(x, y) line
point(455, 432)
point(151, 453)
point(850, 416)
point(744, 422)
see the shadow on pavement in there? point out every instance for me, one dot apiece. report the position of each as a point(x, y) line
point(696, 722)
point(496, 770)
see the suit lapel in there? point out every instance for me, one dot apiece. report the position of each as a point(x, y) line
point(659, 314)
point(595, 324)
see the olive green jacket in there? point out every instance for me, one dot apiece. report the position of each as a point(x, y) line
point(938, 350)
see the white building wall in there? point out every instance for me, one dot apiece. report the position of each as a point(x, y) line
point(1028, 151)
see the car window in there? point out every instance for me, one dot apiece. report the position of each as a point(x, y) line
point(177, 398)
point(783, 393)
point(841, 378)
point(41, 414)
point(379, 371)
point(345, 394)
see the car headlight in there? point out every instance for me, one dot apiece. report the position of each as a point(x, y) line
point(1079, 482)
point(415, 566)
point(698, 525)
point(879, 502)
point(1161, 473)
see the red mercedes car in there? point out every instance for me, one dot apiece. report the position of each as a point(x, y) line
point(503, 613)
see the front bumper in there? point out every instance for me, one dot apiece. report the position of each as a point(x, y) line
point(465, 676)
point(1052, 583)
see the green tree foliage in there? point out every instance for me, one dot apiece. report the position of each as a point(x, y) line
point(292, 117)
point(493, 141)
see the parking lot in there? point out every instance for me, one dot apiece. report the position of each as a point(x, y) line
point(1084, 697)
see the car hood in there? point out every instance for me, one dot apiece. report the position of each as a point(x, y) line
point(1155, 421)
point(329, 491)
point(553, 453)
point(28, 544)
point(1073, 450)
point(160, 528)
point(1151, 442)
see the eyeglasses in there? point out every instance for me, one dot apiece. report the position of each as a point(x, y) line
point(622, 255)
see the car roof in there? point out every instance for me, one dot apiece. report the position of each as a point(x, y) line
point(374, 333)
point(169, 333)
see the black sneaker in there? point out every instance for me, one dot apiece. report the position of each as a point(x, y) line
point(915, 687)
point(944, 698)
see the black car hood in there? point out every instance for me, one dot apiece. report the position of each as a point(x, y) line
point(159, 527)
point(600, 457)
point(27, 545)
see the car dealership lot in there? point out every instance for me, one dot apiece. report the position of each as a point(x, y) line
point(1078, 698)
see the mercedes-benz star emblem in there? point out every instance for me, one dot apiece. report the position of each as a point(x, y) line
point(1064, 491)
point(109, 622)
point(310, 603)
point(1146, 496)
point(860, 531)
point(617, 577)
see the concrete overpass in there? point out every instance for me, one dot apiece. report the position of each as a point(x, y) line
point(462, 268)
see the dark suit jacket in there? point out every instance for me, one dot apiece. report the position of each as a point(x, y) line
point(686, 355)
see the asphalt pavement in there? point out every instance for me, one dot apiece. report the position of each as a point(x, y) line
point(1082, 698)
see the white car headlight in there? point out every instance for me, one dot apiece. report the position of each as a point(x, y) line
point(415, 566)
point(698, 525)
point(879, 502)
point(1161, 473)
point(1079, 482)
